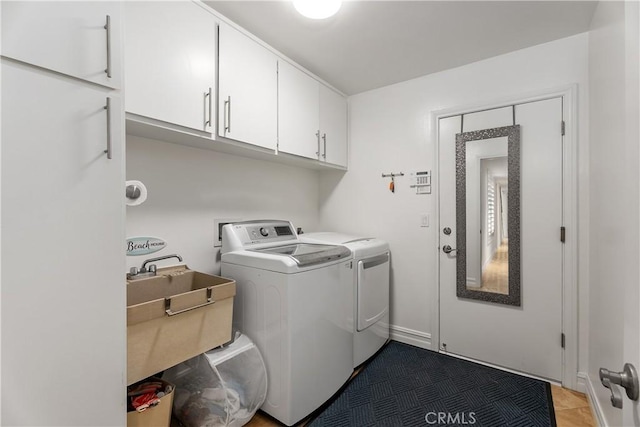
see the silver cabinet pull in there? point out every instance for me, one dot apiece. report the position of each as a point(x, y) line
point(108, 28)
point(448, 249)
point(628, 379)
point(208, 94)
point(108, 108)
point(227, 115)
point(324, 138)
point(318, 138)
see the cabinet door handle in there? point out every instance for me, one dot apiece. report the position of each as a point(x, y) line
point(108, 28)
point(227, 115)
point(318, 138)
point(324, 139)
point(208, 94)
point(108, 108)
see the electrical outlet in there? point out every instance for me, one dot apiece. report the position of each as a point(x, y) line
point(217, 231)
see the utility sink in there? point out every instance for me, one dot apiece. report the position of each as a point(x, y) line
point(174, 316)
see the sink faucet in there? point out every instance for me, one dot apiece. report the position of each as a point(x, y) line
point(151, 271)
point(144, 264)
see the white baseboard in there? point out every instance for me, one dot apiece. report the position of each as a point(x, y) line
point(581, 382)
point(584, 381)
point(410, 336)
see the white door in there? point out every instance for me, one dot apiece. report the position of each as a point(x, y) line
point(170, 58)
point(527, 336)
point(333, 127)
point(63, 284)
point(247, 89)
point(78, 38)
point(298, 112)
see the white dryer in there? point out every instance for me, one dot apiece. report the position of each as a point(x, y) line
point(371, 290)
point(294, 300)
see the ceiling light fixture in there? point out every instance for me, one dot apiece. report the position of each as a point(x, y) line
point(317, 9)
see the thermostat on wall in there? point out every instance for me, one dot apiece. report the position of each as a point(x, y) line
point(421, 181)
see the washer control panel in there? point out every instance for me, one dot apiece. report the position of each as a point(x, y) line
point(249, 233)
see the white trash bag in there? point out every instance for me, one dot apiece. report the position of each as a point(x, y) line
point(223, 387)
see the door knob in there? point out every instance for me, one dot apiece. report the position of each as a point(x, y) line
point(448, 249)
point(628, 379)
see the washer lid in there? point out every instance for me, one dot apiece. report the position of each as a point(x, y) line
point(360, 246)
point(308, 254)
point(331, 237)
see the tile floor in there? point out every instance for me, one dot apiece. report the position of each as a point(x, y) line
point(572, 410)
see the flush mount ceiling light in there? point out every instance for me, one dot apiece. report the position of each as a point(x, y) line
point(317, 9)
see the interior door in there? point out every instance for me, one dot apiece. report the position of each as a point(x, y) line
point(525, 334)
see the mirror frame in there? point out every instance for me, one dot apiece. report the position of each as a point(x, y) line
point(513, 213)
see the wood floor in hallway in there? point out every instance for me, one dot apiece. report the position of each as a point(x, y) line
point(495, 277)
point(571, 407)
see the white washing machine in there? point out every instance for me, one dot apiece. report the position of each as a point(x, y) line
point(295, 301)
point(371, 290)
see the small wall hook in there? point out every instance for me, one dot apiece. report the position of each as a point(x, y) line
point(392, 174)
point(392, 184)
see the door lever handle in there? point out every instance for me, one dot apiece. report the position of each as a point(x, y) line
point(616, 394)
point(448, 249)
point(628, 379)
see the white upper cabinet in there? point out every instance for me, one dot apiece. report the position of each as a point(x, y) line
point(170, 63)
point(333, 127)
point(247, 89)
point(298, 112)
point(80, 39)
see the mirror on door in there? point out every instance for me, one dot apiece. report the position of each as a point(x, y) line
point(488, 215)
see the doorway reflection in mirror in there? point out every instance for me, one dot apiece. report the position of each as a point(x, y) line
point(487, 215)
point(495, 239)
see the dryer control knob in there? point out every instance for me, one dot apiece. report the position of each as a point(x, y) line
point(264, 232)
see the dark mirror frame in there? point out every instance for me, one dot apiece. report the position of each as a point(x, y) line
point(513, 160)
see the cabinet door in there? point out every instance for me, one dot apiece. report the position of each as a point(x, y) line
point(247, 89)
point(63, 284)
point(170, 62)
point(333, 127)
point(67, 37)
point(298, 112)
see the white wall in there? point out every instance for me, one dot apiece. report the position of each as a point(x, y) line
point(613, 262)
point(188, 188)
point(390, 131)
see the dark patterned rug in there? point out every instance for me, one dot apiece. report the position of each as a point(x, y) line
point(409, 386)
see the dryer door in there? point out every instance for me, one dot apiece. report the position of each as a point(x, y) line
point(372, 290)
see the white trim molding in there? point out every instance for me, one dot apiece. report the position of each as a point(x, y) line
point(410, 336)
point(584, 383)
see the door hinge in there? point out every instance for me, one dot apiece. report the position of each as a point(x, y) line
point(562, 128)
point(563, 234)
point(562, 339)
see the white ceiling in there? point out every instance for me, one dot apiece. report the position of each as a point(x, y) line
point(370, 44)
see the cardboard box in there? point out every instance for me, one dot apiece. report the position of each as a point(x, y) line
point(155, 416)
point(174, 316)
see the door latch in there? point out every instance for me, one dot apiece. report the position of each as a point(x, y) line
point(628, 379)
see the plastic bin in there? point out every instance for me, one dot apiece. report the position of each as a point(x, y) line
point(223, 387)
